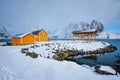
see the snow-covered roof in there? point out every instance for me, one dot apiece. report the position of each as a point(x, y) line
point(83, 31)
point(20, 35)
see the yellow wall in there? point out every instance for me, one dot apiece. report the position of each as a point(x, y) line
point(16, 41)
point(36, 37)
point(43, 36)
point(28, 39)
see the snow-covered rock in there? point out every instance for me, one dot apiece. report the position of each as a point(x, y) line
point(47, 49)
point(107, 68)
point(3, 43)
point(66, 32)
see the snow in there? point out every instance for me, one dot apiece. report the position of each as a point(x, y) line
point(17, 66)
point(91, 30)
point(7, 74)
point(46, 49)
point(107, 68)
point(2, 43)
point(104, 34)
point(21, 35)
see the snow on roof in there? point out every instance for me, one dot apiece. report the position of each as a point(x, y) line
point(82, 31)
point(37, 31)
point(20, 35)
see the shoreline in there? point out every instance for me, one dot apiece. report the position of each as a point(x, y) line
point(60, 50)
point(44, 50)
point(67, 53)
point(107, 49)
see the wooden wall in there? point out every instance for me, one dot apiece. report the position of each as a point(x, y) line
point(86, 35)
point(43, 36)
point(16, 41)
point(28, 39)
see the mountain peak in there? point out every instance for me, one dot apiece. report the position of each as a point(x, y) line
point(65, 33)
point(3, 33)
point(97, 25)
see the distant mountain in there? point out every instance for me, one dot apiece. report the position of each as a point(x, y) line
point(65, 33)
point(4, 33)
point(97, 25)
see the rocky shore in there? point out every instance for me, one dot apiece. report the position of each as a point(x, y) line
point(61, 50)
point(67, 54)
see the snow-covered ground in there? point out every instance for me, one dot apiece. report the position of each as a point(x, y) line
point(47, 48)
point(2, 43)
point(17, 66)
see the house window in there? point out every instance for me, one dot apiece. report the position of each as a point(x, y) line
point(43, 36)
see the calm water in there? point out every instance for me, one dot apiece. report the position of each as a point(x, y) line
point(112, 59)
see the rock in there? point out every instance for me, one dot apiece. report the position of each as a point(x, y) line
point(33, 54)
point(62, 54)
point(25, 50)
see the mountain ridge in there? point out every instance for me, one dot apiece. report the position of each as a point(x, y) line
point(4, 34)
point(66, 32)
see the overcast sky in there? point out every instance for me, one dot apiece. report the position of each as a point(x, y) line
point(28, 15)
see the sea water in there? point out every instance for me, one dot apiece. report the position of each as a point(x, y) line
point(110, 59)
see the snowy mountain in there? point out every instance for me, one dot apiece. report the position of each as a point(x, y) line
point(4, 33)
point(97, 25)
point(65, 33)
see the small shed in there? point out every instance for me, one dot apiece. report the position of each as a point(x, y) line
point(22, 39)
point(85, 34)
point(40, 35)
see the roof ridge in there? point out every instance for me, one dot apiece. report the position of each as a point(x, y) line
point(80, 31)
point(37, 31)
point(20, 35)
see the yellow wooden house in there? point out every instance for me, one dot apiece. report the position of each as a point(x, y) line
point(22, 39)
point(40, 35)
